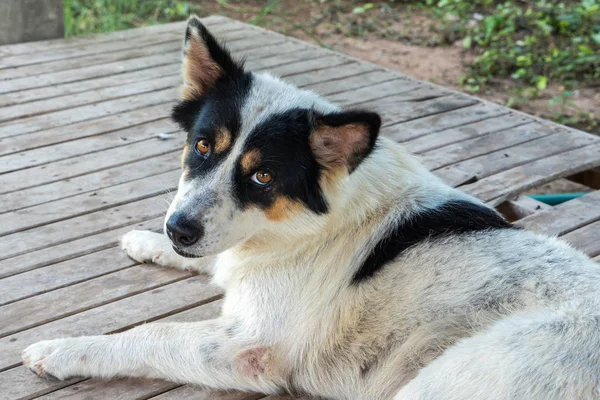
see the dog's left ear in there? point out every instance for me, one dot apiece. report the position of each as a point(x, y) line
point(205, 61)
point(344, 139)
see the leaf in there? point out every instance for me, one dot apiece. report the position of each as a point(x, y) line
point(596, 38)
point(467, 42)
point(358, 10)
point(490, 24)
point(585, 49)
point(542, 83)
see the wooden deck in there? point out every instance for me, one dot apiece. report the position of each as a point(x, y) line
point(87, 152)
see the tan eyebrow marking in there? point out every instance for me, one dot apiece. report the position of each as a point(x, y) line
point(283, 208)
point(250, 161)
point(222, 140)
point(186, 150)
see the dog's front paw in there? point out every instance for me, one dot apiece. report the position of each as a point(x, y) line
point(49, 359)
point(146, 246)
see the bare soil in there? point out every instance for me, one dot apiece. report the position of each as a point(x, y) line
point(407, 39)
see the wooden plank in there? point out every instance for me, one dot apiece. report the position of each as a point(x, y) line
point(307, 67)
point(452, 127)
point(316, 76)
point(114, 389)
point(482, 145)
point(61, 274)
point(94, 71)
point(139, 73)
point(169, 42)
point(396, 109)
point(127, 389)
point(58, 303)
point(380, 90)
point(81, 165)
point(153, 96)
point(110, 48)
point(296, 57)
point(88, 183)
point(352, 76)
point(565, 217)
point(78, 227)
point(496, 188)
point(172, 308)
point(586, 238)
point(456, 177)
point(112, 196)
point(554, 141)
point(86, 145)
point(158, 91)
point(116, 67)
point(521, 207)
point(116, 316)
point(196, 393)
point(63, 92)
point(73, 249)
point(215, 23)
point(93, 39)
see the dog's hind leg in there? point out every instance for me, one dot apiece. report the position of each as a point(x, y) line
point(152, 247)
point(208, 353)
point(534, 355)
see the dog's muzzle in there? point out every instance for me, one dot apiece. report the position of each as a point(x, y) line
point(183, 232)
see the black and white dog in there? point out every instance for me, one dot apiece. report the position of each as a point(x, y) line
point(350, 271)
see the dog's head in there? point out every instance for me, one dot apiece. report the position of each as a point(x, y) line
point(260, 154)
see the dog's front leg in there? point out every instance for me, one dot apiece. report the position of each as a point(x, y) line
point(152, 247)
point(204, 353)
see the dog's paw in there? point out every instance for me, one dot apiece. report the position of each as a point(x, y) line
point(146, 246)
point(156, 248)
point(49, 359)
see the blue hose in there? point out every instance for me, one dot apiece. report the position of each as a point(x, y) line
point(553, 199)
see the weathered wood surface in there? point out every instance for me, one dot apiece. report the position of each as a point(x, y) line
point(81, 163)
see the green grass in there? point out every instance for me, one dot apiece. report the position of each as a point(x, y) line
point(536, 42)
point(93, 16)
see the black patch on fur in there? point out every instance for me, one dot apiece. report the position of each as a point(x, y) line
point(452, 218)
point(219, 107)
point(283, 141)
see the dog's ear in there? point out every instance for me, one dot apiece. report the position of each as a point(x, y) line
point(344, 139)
point(205, 61)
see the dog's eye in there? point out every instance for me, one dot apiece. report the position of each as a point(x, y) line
point(262, 177)
point(203, 146)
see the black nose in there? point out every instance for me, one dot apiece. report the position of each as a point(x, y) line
point(182, 231)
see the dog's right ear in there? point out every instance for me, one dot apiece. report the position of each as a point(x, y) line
point(205, 61)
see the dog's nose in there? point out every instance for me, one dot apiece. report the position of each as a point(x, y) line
point(182, 231)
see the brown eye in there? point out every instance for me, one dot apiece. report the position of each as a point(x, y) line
point(262, 177)
point(203, 146)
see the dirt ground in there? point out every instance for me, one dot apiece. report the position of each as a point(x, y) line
point(404, 38)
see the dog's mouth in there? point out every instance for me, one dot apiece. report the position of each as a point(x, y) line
point(184, 253)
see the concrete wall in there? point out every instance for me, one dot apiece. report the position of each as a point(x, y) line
point(29, 20)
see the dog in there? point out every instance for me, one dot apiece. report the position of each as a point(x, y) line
point(349, 270)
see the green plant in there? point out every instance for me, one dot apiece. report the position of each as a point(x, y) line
point(90, 16)
point(537, 42)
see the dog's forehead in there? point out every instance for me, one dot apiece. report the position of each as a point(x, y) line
point(269, 96)
point(242, 115)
